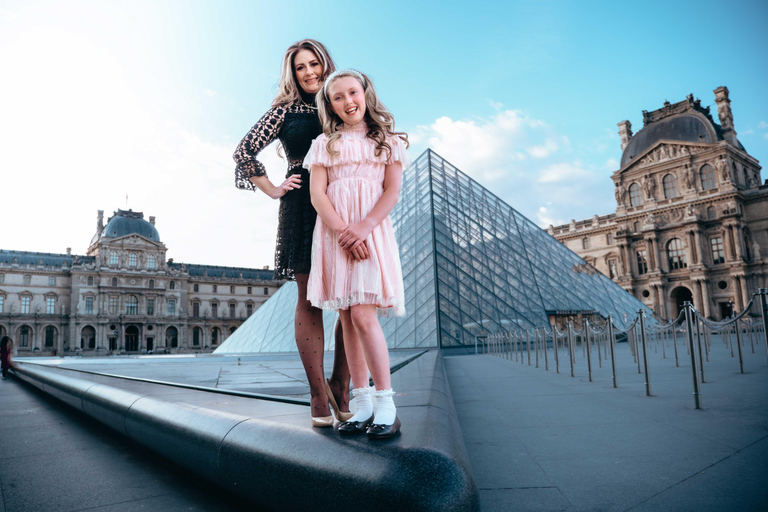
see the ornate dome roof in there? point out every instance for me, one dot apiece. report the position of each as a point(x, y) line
point(685, 121)
point(128, 222)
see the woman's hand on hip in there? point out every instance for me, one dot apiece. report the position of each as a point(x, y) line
point(291, 183)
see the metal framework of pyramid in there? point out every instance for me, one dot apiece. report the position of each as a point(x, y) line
point(471, 265)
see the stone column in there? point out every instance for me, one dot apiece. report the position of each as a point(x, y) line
point(737, 242)
point(697, 294)
point(705, 298)
point(745, 291)
point(738, 294)
point(698, 246)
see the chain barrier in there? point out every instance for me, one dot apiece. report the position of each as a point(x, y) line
point(598, 338)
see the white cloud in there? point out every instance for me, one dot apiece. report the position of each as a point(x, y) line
point(78, 137)
point(564, 172)
point(762, 124)
point(525, 162)
point(747, 132)
point(765, 135)
point(612, 164)
point(209, 92)
point(495, 105)
point(545, 218)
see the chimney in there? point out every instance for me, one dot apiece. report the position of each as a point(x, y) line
point(69, 250)
point(152, 220)
point(99, 220)
point(625, 132)
point(725, 115)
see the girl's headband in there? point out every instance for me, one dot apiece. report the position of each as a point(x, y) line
point(342, 72)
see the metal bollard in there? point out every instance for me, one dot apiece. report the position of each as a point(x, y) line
point(536, 345)
point(589, 349)
point(696, 393)
point(546, 357)
point(528, 345)
point(645, 354)
point(555, 348)
point(698, 342)
point(764, 310)
point(570, 347)
point(612, 343)
point(738, 344)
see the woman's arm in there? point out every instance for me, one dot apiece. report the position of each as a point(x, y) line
point(354, 234)
point(249, 172)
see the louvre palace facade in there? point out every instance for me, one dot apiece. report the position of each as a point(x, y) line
point(123, 296)
point(691, 220)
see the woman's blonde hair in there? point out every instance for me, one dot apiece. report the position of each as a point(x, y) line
point(380, 122)
point(288, 90)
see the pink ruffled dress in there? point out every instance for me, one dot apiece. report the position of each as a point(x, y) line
point(355, 184)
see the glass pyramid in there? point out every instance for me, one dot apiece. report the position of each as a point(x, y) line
point(471, 264)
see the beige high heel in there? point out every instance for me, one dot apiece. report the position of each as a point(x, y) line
point(322, 421)
point(342, 416)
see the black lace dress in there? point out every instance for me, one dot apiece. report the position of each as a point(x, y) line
point(296, 125)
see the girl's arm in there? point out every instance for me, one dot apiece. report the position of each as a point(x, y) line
point(249, 172)
point(318, 184)
point(355, 234)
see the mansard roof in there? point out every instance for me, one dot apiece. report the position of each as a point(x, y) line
point(226, 272)
point(128, 222)
point(41, 258)
point(685, 121)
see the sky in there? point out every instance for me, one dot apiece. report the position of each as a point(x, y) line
point(140, 104)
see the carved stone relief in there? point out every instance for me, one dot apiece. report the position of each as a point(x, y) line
point(667, 152)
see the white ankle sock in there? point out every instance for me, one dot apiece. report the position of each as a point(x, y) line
point(363, 403)
point(385, 407)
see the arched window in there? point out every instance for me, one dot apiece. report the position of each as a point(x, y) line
point(132, 305)
point(173, 285)
point(670, 186)
point(114, 281)
point(215, 335)
point(150, 261)
point(196, 288)
point(151, 283)
point(676, 254)
point(133, 260)
point(585, 243)
point(113, 259)
point(634, 195)
point(232, 330)
point(90, 280)
point(88, 337)
point(196, 335)
point(24, 334)
point(707, 174)
point(747, 252)
point(172, 337)
point(50, 336)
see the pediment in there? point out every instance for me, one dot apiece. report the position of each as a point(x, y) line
point(664, 151)
point(135, 240)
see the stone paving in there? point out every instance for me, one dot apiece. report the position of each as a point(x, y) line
point(539, 440)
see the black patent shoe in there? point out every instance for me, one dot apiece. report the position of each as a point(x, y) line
point(352, 428)
point(380, 431)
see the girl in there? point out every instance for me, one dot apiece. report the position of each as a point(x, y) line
point(293, 119)
point(357, 166)
point(6, 356)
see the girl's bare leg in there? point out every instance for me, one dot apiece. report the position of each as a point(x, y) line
point(354, 350)
point(308, 324)
point(374, 344)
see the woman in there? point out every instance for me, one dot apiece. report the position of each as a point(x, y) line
point(293, 119)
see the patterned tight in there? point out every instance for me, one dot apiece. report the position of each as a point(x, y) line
point(308, 324)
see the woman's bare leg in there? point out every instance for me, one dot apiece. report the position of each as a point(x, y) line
point(308, 324)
